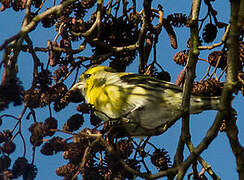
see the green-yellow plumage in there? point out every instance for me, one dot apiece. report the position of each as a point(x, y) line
point(143, 105)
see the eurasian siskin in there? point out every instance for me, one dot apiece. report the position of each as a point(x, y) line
point(138, 105)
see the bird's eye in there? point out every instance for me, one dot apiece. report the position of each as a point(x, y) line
point(86, 76)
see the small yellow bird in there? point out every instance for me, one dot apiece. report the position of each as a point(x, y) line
point(141, 105)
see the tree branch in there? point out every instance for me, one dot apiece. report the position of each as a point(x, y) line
point(187, 88)
point(233, 56)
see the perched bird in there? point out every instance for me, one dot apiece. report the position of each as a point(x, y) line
point(138, 105)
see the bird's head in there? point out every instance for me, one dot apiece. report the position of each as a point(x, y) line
point(89, 78)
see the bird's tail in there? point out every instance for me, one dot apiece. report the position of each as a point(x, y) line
point(200, 103)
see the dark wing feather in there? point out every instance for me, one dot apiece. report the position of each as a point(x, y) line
point(147, 82)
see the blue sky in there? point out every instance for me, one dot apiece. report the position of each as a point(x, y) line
point(218, 155)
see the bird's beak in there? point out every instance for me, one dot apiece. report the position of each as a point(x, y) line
point(78, 86)
point(76, 92)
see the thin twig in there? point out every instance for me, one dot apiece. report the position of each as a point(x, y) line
point(97, 21)
point(29, 27)
point(223, 40)
point(206, 74)
point(216, 66)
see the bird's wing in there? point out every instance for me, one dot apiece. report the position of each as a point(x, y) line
point(148, 82)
